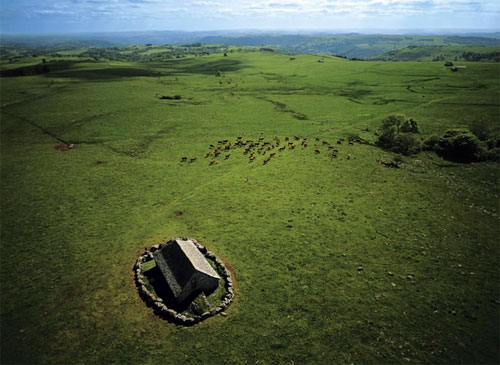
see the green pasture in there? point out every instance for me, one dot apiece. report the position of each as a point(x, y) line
point(336, 260)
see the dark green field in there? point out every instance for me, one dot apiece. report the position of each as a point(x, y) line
point(336, 260)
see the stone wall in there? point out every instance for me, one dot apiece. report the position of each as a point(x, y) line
point(159, 306)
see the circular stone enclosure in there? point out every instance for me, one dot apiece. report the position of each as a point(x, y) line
point(169, 313)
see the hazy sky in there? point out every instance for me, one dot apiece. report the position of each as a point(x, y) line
point(59, 16)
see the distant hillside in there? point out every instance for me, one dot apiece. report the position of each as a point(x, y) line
point(345, 45)
point(442, 53)
point(25, 47)
point(350, 45)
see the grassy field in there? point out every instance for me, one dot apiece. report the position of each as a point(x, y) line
point(336, 260)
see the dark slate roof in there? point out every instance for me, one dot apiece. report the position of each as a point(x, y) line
point(178, 261)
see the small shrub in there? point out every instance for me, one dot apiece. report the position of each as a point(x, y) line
point(481, 128)
point(493, 154)
point(493, 142)
point(461, 145)
point(409, 126)
point(431, 143)
point(406, 144)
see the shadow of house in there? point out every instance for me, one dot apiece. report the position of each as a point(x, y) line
point(185, 269)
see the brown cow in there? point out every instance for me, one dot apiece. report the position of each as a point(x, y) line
point(227, 156)
point(192, 159)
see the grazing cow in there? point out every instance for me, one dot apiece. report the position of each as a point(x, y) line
point(272, 154)
point(217, 153)
point(192, 159)
point(261, 138)
point(325, 142)
point(305, 145)
point(266, 160)
point(227, 148)
point(227, 156)
point(339, 142)
point(316, 151)
point(389, 164)
point(317, 139)
point(212, 162)
point(208, 154)
point(296, 138)
point(292, 146)
point(212, 146)
point(351, 143)
point(224, 141)
point(184, 159)
point(251, 158)
point(334, 155)
point(349, 156)
point(330, 147)
point(286, 138)
point(281, 148)
point(239, 137)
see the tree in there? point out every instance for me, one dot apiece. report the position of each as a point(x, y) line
point(391, 127)
point(397, 134)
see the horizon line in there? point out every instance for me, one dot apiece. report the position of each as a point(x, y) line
point(395, 31)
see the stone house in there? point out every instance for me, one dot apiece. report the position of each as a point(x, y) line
point(185, 269)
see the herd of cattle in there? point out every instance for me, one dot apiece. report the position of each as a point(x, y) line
point(269, 148)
